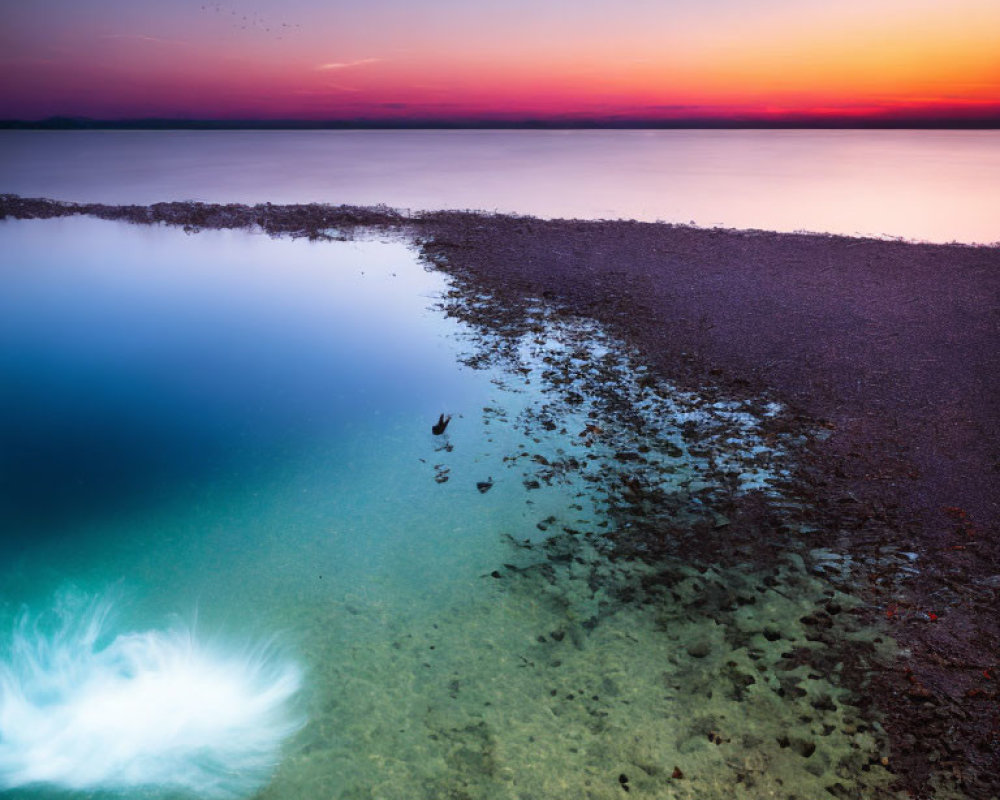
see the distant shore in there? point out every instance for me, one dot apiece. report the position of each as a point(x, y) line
point(892, 349)
point(792, 122)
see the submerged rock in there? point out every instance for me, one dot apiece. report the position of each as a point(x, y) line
point(699, 649)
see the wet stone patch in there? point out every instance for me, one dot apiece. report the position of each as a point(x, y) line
point(652, 455)
point(744, 695)
point(625, 643)
point(580, 676)
point(672, 674)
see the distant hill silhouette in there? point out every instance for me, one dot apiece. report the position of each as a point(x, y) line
point(562, 123)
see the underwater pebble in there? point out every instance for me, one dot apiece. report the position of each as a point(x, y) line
point(699, 649)
point(805, 749)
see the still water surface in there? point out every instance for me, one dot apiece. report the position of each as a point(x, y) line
point(938, 186)
point(236, 561)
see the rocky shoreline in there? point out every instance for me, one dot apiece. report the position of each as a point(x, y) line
point(888, 349)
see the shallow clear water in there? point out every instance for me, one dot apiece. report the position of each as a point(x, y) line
point(936, 186)
point(236, 559)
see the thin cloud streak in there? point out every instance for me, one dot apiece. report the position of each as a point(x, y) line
point(347, 64)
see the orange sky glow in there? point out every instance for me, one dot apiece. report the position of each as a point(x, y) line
point(444, 59)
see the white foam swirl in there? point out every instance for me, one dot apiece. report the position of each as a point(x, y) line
point(81, 708)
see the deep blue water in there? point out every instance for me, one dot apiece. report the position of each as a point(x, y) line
point(136, 362)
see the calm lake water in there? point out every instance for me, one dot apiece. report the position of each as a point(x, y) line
point(935, 186)
point(235, 559)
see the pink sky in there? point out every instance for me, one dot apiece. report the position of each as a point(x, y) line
point(445, 58)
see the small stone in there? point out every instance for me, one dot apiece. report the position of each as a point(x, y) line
point(699, 649)
point(919, 692)
point(805, 749)
point(824, 703)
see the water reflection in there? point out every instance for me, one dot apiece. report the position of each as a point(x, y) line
point(924, 185)
point(137, 359)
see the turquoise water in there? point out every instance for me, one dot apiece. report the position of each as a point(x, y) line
point(237, 561)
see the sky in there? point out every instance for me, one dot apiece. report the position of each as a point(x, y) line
point(500, 59)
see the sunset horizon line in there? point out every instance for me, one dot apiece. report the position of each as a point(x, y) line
point(486, 121)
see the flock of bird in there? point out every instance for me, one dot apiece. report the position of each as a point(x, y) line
point(251, 21)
